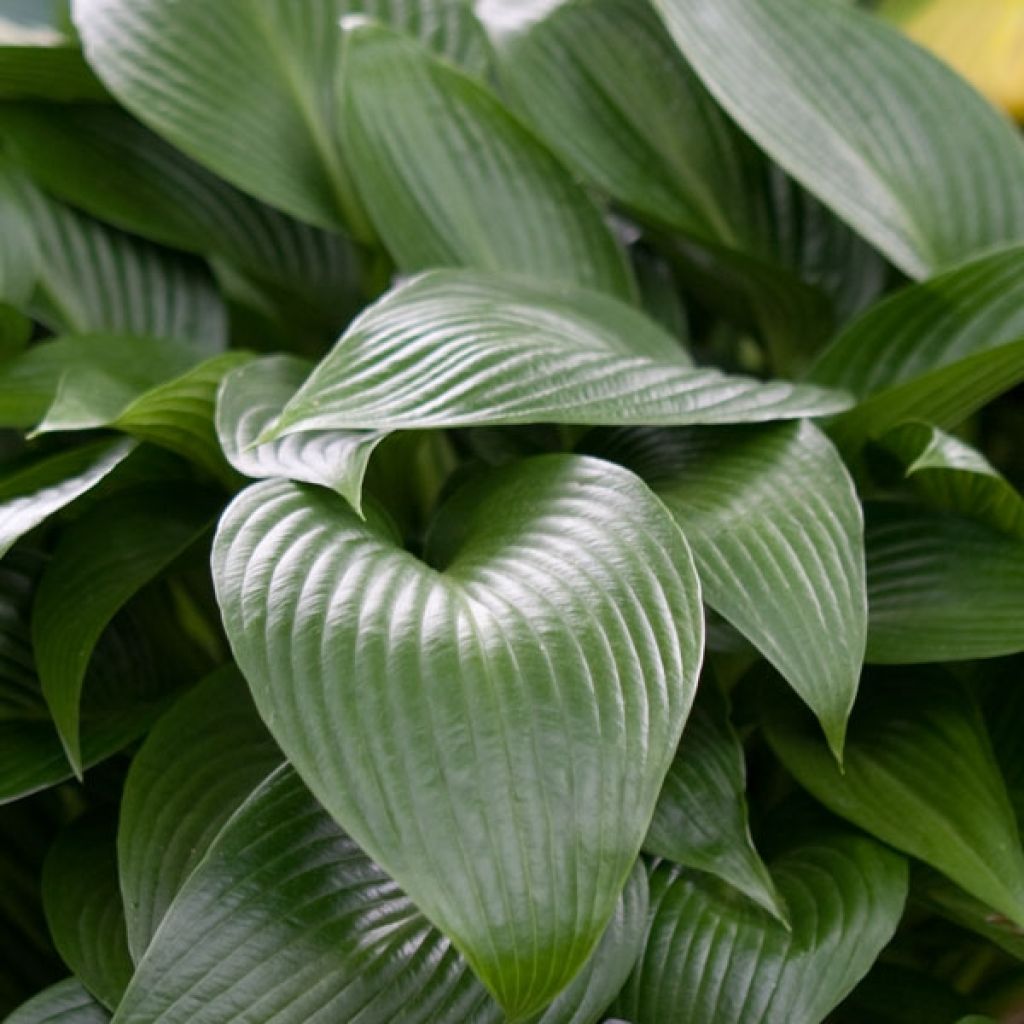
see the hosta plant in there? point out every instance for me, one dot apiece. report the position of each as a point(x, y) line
point(509, 513)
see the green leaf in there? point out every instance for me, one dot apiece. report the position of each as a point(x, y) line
point(935, 351)
point(104, 162)
point(274, 135)
point(882, 132)
point(39, 56)
point(475, 188)
point(89, 580)
point(777, 533)
point(940, 587)
point(919, 773)
point(198, 765)
point(701, 817)
point(125, 688)
point(609, 91)
point(250, 400)
point(287, 915)
point(29, 496)
point(119, 369)
point(956, 477)
point(95, 279)
point(67, 1002)
point(535, 682)
point(458, 348)
point(84, 908)
point(970, 309)
point(713, 956)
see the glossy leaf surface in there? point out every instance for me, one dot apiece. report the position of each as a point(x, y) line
point(525, 626)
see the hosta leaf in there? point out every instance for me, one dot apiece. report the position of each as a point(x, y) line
point(711, 956)
point(89, 580)
point(777, 534)
point(919, 773)
point(606, 86)
point(198, 765)
point(941, 587)
point(84, 908)
point(563, 619)
point(287, 916)
point(474, 188)
point(944, 397)
point(93, 278)
point(124, 689)
point(250, 400)
point(39, 57)
point(878, 129)
point(956, 477)
point(105, 162)
point(457, 348)
point(67, 1002)
point(119, 368)
point(701, 817)
point(272, 135)
point(925, 327)
point(29, 496)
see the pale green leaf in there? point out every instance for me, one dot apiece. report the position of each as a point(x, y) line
point(89, 579)
point(941, 587)
point(459, 348)
point(919, 773)
point(535, 672)
point(473, 188)
point(250, 400)
point(84, 908)
point(67, 1002)
point(120, 367)
point(701, 817)
point(712, 956)
point(198, 765)
point(30, 495)
point(777, 533)
point(954, 476)
point(188, 72)
point(882, 132)
point(288, 917)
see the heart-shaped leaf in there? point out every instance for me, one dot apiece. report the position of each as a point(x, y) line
point(84, 908)
point(250, 400)
point(274, 135)
point(67, 1002)
point(940, 587)
point(701, 818)
point(920, 774)
point(288, 917)
point(777, 534)
point(89, 580)
point(458, 348)
point(475, 188)
point(31, 495)
point(535, 685)
point(198, 765)
point(841, 123)
point(122, 285)
point(954, 476)
point(711, 956)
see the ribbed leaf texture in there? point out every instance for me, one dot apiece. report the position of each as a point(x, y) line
point(536, 674)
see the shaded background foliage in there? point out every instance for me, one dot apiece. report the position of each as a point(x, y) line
point(679, 381)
